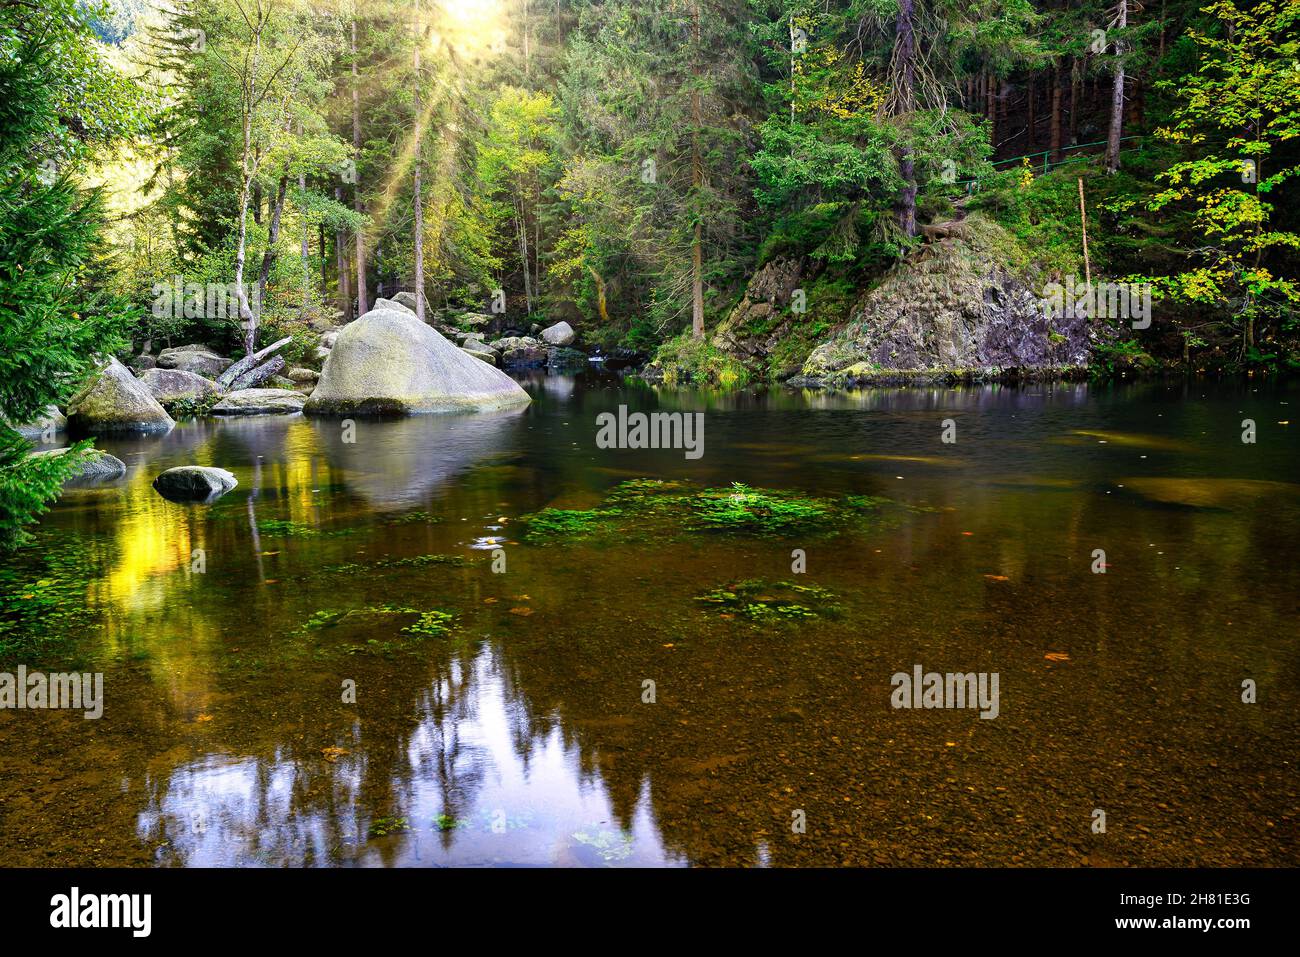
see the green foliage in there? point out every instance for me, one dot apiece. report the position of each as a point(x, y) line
point(1236, 117)
point(686, 358)
point(58, 99)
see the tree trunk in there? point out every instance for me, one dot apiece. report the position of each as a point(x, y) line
point(1117, 97)
point(1055, 132)
point(356, 186)
point(246, 172)
point(523, 252)
point(342, 264)
point(418, 184)
point(306, 233)
point(272, 237)
point(697, 181)
point(991, 109)
point(906, 43)
point(1074, 105)
point(1029, 108)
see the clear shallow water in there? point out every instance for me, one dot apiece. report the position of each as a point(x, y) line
point(519, 736)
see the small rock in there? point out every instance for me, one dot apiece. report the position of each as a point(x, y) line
point(301, 375)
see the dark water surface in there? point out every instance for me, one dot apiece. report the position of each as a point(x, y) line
point(519, 735)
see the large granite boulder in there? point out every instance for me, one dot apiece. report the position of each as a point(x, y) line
point(194, 483)
point(389, 363)
point(173, 385)
point(198, 359)
point(116, 401)
point(560, 334)
point(404, 299)
point(260, 402)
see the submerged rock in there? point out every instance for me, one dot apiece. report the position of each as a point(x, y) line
point(116, 401)
point(172, 385)
point(194, 483)
point(560, 334)
point(260, 402)
point(390, 363)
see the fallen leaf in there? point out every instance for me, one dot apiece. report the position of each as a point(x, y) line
point(204, 717)
point(489, 601)
point(332, 753)
point(525, 612)
point(1057, 656)
point(997, 578)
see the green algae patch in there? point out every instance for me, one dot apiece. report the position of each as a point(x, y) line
point(566, 523)
point(661, 510)
point(761, 601)
point(410, 561)
point(741, 508)
point(432, 623)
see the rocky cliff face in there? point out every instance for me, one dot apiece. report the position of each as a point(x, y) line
point(962, 305)
point(756, 328)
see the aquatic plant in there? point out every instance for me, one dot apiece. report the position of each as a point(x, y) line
point(383, 826)
point(742, 508)
point(757, 600)
point(431, 624)
point(612, 845)
point(552, 523)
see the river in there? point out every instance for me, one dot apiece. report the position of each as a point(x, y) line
point(360, 657)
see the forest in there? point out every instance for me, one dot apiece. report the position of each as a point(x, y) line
point(640, 171)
